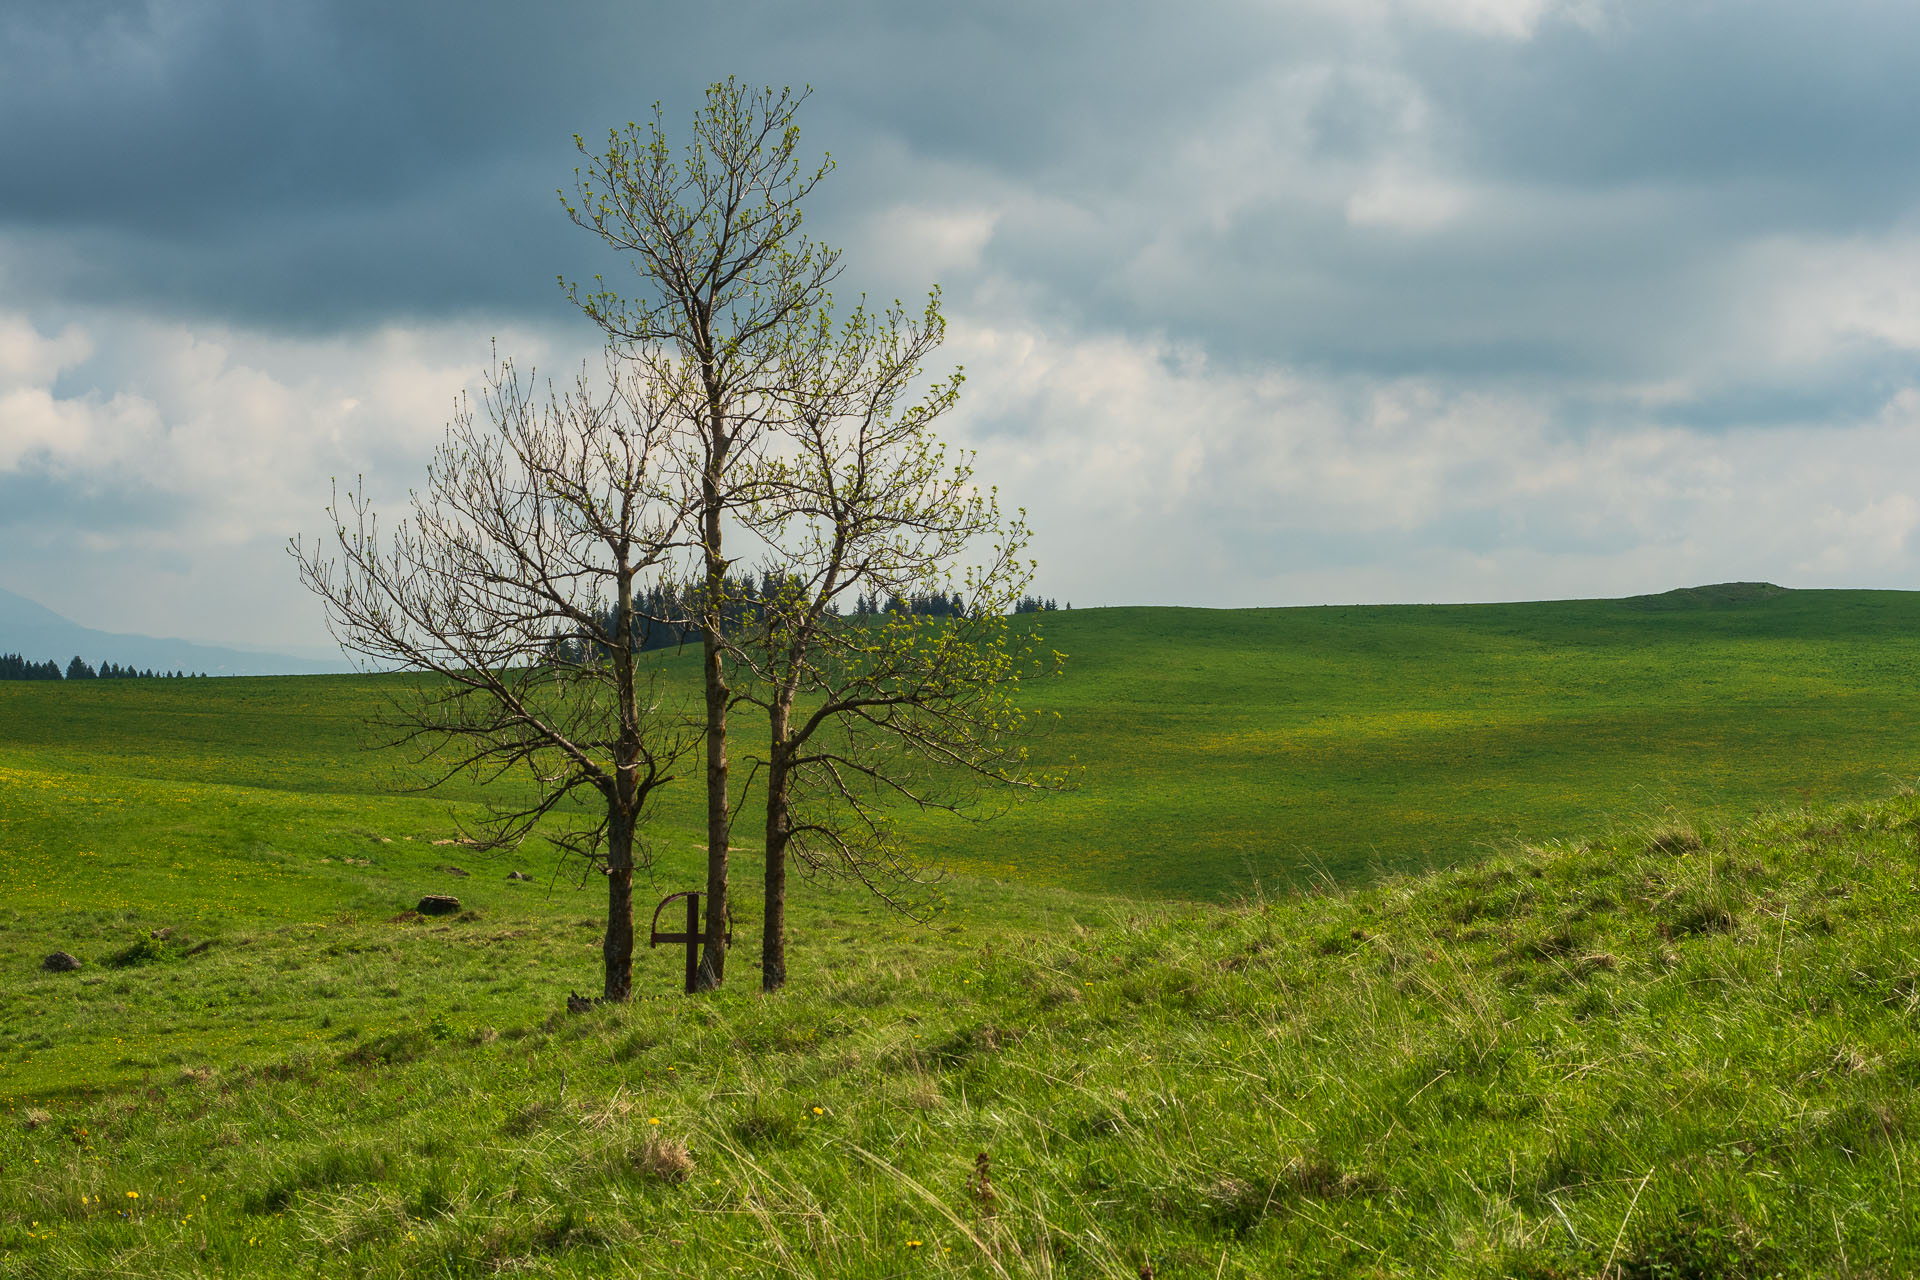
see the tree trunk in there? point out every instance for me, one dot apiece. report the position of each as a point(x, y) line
point(617, 948)
point(773, 930)
point(713, 959)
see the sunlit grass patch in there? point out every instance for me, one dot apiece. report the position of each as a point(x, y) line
point(1526, 1067)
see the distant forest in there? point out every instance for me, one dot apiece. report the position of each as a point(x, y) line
point(665, 616)
point(15, 667)
point(663, 619)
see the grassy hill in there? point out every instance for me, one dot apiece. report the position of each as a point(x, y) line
point(1686, 1052)
point(1222, 749)
point(1226, 746)
point(1608, 1040)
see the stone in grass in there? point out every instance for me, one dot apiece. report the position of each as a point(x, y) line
point(60, 962)
point(438, 904)
point(452, 870)
point(518, 875)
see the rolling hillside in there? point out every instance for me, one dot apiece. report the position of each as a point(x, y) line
point(1225, 750)
point(1680, 1052)
point(1225, 747)
point(1673, 1043)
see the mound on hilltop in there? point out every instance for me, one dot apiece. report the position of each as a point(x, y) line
point(1719, 595)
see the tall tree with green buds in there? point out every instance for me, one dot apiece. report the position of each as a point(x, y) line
point(511, 586)
point(713, 232)
point(867, 714)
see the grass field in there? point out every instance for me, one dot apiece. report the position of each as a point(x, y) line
point(1221, 749)
point(1682, 1053)
point(1611, 1040)
point(1228, 745)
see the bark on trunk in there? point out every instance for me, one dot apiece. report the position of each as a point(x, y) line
point(617, 949)
point(713, 959)
point(773, 933)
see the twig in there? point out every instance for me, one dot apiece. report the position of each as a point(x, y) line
point(1607, 1269)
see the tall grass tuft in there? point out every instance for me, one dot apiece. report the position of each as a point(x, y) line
point(1631, 1057)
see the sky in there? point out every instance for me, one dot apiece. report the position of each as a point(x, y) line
point(1331, 301)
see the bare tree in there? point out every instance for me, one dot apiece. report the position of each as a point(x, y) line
point(511, 586)
point(713, 234)
point(869, 713)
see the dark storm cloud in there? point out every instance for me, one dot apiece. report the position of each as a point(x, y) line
point(1618, 167)
point(1611, 173)
point(314, 165)
point(311, 165)
point(1813, 102)
point(1148, 168)
point(199, 121)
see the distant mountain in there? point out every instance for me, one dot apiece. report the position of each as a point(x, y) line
point(37, 634)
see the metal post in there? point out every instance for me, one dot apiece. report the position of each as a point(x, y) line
point(693, 941)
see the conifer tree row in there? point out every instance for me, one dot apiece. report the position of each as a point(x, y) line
point(13, 666)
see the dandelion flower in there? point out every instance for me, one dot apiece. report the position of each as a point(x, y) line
point(654, 1120)
point(913, 1244)
point(819, 1111)
point(133, 1195)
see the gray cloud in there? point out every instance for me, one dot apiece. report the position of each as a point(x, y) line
point(1401, 297)
point(1808, 102)
point(317, 166)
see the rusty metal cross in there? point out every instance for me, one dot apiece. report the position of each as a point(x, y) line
point(692, 937)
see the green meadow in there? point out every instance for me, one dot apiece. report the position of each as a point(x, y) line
point(1545, 940)
point(1225, 747)
point(1218, 751)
